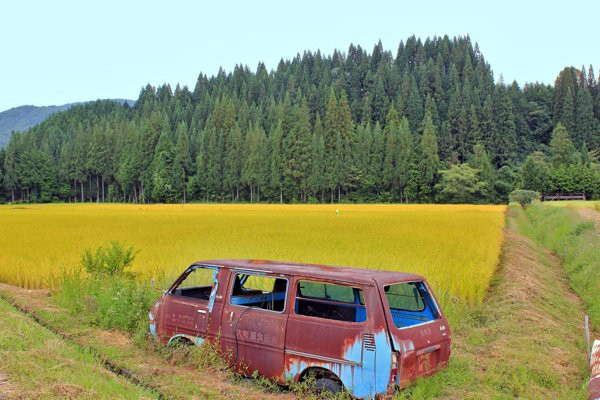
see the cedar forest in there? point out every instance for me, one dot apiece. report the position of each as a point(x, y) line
point(428, 124)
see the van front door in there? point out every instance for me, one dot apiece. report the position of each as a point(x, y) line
point(188, 304)
point(254, 323)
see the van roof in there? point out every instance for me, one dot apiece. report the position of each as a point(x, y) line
point(318, 271)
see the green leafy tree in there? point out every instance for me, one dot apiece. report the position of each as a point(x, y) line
point(534, 173)
point(523, 197)
point(461, 184)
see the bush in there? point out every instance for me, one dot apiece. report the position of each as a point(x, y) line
point(112, 261)
point(107, 295)
point(523, 197)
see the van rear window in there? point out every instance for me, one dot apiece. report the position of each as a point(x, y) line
point(410, 304)
point(404, 296)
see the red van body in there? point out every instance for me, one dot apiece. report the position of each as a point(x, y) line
point(369, 331)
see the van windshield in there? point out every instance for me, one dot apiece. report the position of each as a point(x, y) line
point(410, 304)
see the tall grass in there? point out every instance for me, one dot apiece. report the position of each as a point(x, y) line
point(103, 291)
point(577, 243)
point(455, 246)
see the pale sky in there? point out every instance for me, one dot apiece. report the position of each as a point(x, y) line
point(56, 52)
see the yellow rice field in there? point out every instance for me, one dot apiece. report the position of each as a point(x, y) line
point(455, 247)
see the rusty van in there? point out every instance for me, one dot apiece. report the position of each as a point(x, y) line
point(368, 331)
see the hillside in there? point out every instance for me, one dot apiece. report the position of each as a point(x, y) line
point(24, 117)
point(427, 122)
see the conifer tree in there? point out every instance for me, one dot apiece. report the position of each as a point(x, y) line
point(506, 139)
point(183, 158)
point(430, 161)
point(568, 112)
point(481, 162)
point(234, 159)
point(163, 171)
point(317, 182)
point(584, 120)
point(405, 150)
point(562, 147)
point(277, 161)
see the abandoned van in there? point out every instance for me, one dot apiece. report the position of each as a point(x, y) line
point(370, 332)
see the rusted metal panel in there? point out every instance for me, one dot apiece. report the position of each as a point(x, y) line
point(318, 271)
point(358, 353)
point(594, 384)
point(424, 348)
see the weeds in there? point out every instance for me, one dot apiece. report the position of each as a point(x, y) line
point(104, 292)
point(112, 261)
point(577, 243)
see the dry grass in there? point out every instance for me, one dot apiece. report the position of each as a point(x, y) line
point(455, 247)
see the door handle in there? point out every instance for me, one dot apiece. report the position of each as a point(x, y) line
point(202, 311)
point(231, 316)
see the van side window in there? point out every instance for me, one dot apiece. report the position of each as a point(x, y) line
point(330, 301)
point(259, 291)
point(197, 284)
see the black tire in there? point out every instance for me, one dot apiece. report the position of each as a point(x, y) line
point(328, 385)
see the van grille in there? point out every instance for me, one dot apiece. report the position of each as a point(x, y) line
point(369, 341)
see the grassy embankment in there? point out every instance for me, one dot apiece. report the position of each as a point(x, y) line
point(576, 241)
point(525, 340)
point(173, 373)
point(36, 363)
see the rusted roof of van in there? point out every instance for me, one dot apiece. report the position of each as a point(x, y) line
point(326, 272)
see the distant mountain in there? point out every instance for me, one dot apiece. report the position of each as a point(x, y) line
point(24, 117)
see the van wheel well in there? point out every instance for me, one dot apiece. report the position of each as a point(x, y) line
point(180, 341)
point(319, 373)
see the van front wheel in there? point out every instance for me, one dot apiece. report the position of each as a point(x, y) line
point(328, 385)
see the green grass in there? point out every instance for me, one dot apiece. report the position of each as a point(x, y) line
point(40, 364)
point(575, 203)
point(577, 243)
point(523, 341)
point(108, 302)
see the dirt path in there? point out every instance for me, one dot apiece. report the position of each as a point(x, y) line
point(526, 340)
point(590, 214)
point(7, 390)
point(36, 363)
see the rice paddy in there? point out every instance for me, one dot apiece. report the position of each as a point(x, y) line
point(456, 247)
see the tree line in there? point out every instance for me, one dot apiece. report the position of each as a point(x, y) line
point(429, 124)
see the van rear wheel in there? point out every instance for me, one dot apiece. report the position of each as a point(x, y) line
point(324, 384)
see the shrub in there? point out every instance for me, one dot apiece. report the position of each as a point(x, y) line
point(107, 295)
point(523, 197)
point(111, 261)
